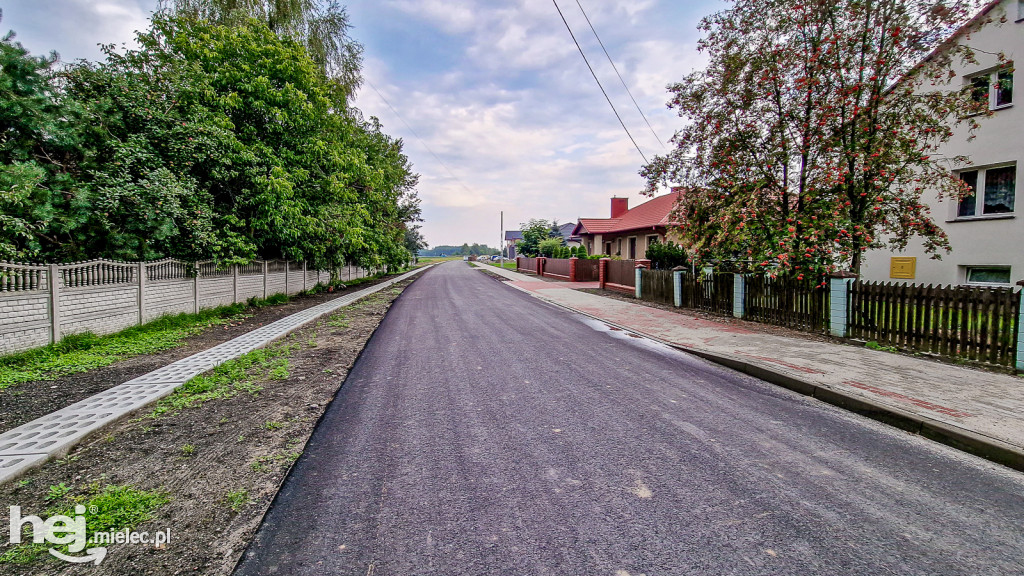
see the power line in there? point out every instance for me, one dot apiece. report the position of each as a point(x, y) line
point(436, 157)
point(599, 82)
point(614, 67)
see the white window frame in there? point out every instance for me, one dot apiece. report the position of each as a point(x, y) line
point(979, 194)
point(993, 77)
point(967, 275)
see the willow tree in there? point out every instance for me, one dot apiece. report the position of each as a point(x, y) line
point(321, 26)
point(812, 132)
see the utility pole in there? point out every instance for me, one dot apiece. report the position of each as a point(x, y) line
point(501, 241)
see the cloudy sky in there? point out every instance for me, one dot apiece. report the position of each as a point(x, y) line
point(495, 89)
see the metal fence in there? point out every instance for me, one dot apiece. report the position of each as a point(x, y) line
point(587, 270)
point(621, 272)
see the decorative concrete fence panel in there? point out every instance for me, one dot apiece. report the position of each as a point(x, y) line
point(41, 303)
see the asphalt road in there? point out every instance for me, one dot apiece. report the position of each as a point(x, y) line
point(485, 432)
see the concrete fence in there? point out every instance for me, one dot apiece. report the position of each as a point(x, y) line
point(40, 303)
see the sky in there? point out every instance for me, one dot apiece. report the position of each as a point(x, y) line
point(495, 105)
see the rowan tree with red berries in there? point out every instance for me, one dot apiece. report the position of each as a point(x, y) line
point(814, 129)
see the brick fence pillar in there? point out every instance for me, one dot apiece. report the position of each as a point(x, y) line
point(540, 265)
point(572, 268)
point(839, 298)
point(602, 271)
point(677, 286)
point(739, 295)
point(518, 266)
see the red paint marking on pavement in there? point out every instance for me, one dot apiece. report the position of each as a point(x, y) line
point(915, 401)
point(782, 362)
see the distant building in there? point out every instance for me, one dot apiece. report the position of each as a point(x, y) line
point(511, 238)
point(567, 234)
point(628, 232)
point(985, 236)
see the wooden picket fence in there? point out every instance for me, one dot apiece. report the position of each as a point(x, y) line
point(709, 292)
point(972, 323)
point(657, 286)
point(798, 304)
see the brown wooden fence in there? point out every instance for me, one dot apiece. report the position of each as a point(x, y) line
point(788, 302)
point(710, 292)
point(657, 286)
point(973, 323)
point(557, 267)
point(526, 265)
point(622, 272)
point(587, 270)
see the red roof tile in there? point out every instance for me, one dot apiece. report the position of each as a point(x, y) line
point(654, 212)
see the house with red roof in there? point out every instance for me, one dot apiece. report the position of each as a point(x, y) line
point(629, 231)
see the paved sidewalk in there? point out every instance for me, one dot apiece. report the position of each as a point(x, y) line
point(975, 410)
point(53, 435)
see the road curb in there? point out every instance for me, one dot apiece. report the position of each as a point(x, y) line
point(980, 445)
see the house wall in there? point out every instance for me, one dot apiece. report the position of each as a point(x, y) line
point(595, 242)
point(980, 241)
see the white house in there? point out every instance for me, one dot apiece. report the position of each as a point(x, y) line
point(986, 231)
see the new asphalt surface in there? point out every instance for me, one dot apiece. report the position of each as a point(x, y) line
point(485, 432)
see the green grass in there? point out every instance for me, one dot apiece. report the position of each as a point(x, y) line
point(509, 264)
point(237, 500)
point(108, 508)
point(228, 379)
point(77, 353)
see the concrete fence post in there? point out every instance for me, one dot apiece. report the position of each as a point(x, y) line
point(53, 275)
point(286, 267)
point(234, 283)
point(195, 288)
point(739, 295)
point(602, 271)
point(641, 264)
point(303, 275)
point(677, 286)
point(266, 270)
point(572, 268)
point(1020, 331)
point(839, 299)
point(142, 291)
point(639, 272)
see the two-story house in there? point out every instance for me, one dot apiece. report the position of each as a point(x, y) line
point(985, 230)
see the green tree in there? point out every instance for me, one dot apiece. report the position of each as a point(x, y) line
point(534, 232)
point(321, 26)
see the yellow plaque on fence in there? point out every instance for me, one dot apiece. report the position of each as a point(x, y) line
point(902, 267)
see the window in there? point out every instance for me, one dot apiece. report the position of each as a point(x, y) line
point(1004, 89)
point(999, 187)
point(994, 88)
point(988, 274)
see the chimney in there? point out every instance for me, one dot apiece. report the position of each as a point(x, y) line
point(619, 206)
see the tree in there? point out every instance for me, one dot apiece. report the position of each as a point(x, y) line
point(811, 134)
point(666, 256)
point(208, 142)
point(321, 26)
point(534, 232)
point(549, 247)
